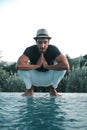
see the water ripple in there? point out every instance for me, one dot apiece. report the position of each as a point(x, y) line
point(43, 112)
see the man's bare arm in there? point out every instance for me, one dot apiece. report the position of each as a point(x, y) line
point(22, 64)
point(62, 64)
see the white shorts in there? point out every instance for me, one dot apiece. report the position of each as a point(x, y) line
point(44, 79)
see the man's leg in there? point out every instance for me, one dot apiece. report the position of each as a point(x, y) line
point(57, 77)
point(25, 76)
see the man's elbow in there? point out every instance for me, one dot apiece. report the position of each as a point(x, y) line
point(67, 66)
point(17, 66)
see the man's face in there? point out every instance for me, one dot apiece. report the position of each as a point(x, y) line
point(42, 44)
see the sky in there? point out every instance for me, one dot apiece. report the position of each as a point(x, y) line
point(65, 20)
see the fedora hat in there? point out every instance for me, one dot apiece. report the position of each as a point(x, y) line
point(42, 33)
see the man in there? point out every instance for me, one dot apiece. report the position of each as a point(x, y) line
point(42, 64)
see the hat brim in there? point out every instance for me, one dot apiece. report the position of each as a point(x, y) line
point(42, 37)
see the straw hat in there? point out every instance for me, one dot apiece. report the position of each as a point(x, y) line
point(42, 33)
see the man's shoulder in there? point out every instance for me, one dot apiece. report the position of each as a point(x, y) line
point(31, 47)
point(53, 47)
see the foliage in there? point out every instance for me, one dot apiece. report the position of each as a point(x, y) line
point(77, 80)
point(10, 68)
point(11, 83)
point(9, 80)
point(3, 78)
point(14, 84)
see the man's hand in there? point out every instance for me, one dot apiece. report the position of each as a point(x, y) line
point(42, 61)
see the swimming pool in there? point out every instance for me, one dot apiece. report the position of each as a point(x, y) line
point(43, 112)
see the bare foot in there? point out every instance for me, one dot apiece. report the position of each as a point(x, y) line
point(28, 92)
point(53, 92)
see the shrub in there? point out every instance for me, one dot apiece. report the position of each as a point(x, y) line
point(77, 80)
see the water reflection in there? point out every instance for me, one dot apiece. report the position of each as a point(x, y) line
point(42, 112)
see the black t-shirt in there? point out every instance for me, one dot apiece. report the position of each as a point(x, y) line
point(51, 53)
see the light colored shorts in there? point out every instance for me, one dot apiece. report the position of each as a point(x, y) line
point(44, 79)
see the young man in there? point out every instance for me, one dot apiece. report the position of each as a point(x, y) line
point(42, 64)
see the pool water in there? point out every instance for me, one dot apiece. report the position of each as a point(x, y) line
point(43, 112)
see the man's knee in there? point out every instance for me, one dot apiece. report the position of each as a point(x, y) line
point(59, 73)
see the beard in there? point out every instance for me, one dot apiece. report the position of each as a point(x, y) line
point(42, 50)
